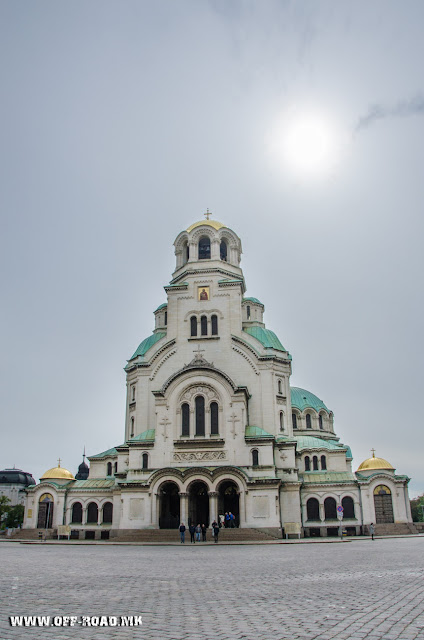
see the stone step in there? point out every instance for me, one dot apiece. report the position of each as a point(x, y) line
point(173, 535)
point(395, 528)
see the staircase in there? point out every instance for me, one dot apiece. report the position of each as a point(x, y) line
point(396, 529)
point(173, 535)
point(32, 534)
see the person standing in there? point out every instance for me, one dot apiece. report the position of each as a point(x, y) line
point(372, 530)
point(215, 527)
point(226, 520)
point(204, 533)
point(192, 530)
point(182, 532)
point(198, 532)
point(232, 520)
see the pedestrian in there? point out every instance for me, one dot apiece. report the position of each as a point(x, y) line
point(215, 527)
point(198, 532)
point(192, 530)
point(372, 530)
point(204, 533)
point(232, 520)
point(182, 532)
point(226, 520)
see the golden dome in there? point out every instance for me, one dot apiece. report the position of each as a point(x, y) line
point(210, 223)
point(374, 463)
point(57, 473)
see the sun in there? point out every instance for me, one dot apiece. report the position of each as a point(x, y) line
point(307, 144)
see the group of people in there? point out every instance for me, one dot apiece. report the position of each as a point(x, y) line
point(197, 531)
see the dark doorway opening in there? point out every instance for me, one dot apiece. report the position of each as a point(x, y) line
point(229, 500)
point(169, 497)
point(198, 508)
point(45, 512)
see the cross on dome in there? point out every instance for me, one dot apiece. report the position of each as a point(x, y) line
point(207, 214)
point(58, 462)
point(373, 453)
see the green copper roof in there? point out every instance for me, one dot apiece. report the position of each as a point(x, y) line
point(146, 436)
point(256, 432)
point(349, 450)
point(95, 483)
point(302, 399)
point(329, 477)
point(147, 344)
point(161, 306)
point(109, 452)
point(255, 300)
point(267, 337)
point(309, 442)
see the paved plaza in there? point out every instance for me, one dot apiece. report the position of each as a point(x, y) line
point(350, 590)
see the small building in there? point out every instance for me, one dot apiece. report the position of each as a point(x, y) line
point(13, 483)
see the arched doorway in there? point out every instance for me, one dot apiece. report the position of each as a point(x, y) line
point(169, 511)
point(45, 511)
point(383, 505)
point(198, 504)
point(228, 500)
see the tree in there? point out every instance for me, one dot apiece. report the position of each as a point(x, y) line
point(4, 508)
point(15, 516)
point(417, 506)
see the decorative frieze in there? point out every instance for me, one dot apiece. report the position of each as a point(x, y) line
point(196, 456)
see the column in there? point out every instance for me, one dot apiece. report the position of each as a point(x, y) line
point(322, 512)
point(242, 509)
point(183, 507)
point(213, 506)
point(155, 501)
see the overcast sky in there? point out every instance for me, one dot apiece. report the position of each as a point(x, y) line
point(122, 121)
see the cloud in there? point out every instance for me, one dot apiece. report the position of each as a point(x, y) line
point(403, 109)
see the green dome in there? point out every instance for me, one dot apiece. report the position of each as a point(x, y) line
point(267, 337)
point(255, 300)
point(147, 344)
point(302, 399)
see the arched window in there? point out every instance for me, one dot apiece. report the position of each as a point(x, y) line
point(315, 463)
point(185, 419)
point(145, 461)
point(76, 514)
point(193, 326)
point(280, 387)
point(323, 463)
point(307, 463)
point(204, 326)
point(214, 419)
point(92, 513)
point(188, 252)
point(133, 393)
point(166, 318)
point(223, 250)
point(312, 509)
point(321, 426)
point(294, 420)
point(132, 427)
point(330, 509)
point(255, 458)
point(308, 421)
point(214, 320)
point(200, 416)
point(109, 469)
point(281, 421)
point(248, 311)
point(204, 248)
point(348, 507)
point(107, 513)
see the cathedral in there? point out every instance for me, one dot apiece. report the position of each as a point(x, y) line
point(213, 426)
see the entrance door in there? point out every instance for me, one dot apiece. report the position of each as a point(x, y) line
point(169, 506)
point(229, 500)
point(383, 505)
point(45, 511)
point(198, 506)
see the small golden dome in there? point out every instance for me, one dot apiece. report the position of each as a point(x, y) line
point(209, 223)
point(57, 473)
point(374, 463)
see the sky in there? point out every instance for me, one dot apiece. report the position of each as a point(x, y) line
point(121, 122)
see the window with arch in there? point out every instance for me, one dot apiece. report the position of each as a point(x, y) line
point(109, 469)
point(308, 421)
point(107, 513)
point(323, 463)
point(185, 419)
point(145, 461)
point(255, 458)
point(280, 387)
point(307, 463)
point(200, 415)
point(133, 393)
point(186, 252)
point(214, 419)
point(294, 420)
point(115, 467)
point(166, 318)
point(92, 513)
point(330, 509)
point(315, 463)
point(281, 421)
point(321, 425)
point(312, 509)
point(348, 507)
point(76, 513)
point(204, 248)
point(193, 326)
point(132, 428)
point(248, 311)
point(214, 321)
point(223, 250)
point(204, 326)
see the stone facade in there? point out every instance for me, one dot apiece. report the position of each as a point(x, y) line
point(212, 424)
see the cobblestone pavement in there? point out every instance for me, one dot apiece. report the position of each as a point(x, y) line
point(348, 591)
